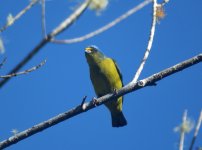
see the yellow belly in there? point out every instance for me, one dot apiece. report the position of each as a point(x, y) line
point(106, 79)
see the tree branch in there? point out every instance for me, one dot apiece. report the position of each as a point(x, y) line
point(99, 101)
point(149, 45)
point(3, 62)
point(32, 3)
point(196, 131)
point(182, 132)
point(104, 28)
point(63, 25)
point(25, 71)
point(43, 18)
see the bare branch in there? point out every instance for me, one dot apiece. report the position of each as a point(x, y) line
point(164, 2)
point(104, 28)
point(196, 131)
point(149, 45)
point(25, 71)
point(64, 25)
point(2, 49)
point(182, 132)
point(99, 101)
point(83, 100)
point(22, 12)
point(67, 22)
point(43, 18)
point(3, 62)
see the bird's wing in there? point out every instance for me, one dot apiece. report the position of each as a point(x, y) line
point(118, 70)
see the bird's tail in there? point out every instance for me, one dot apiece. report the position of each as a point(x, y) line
point(118, 119)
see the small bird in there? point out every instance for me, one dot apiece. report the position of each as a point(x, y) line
point(106, 78)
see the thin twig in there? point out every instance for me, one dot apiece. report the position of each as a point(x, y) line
point(25, 71)
point(99, 101)
point(2, 49)
point(67, 22)
point(196, 131)
point(43, 18)
point(164, 2)
point(104, 28)
point(22, 12)
point(149, 45)
point(3, 62)
point(83, 100)
point(61, 27)
point(182, 132)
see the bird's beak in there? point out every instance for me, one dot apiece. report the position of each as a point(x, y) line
point(88, 50)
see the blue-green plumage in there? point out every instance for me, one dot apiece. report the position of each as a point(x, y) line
point(106, 78)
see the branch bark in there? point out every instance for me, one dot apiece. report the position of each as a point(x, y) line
point(151, 80)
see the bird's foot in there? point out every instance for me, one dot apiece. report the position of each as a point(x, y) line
point(94, 101)
point(115, 92)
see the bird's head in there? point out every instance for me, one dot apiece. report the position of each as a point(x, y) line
point(93, 55)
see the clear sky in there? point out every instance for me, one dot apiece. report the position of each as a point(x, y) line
point(152, 112)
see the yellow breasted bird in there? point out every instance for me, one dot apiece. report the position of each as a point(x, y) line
point(106, 77)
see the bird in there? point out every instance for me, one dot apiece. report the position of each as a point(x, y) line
point(106, 78)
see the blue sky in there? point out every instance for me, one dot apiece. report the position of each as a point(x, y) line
point(152, 112)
